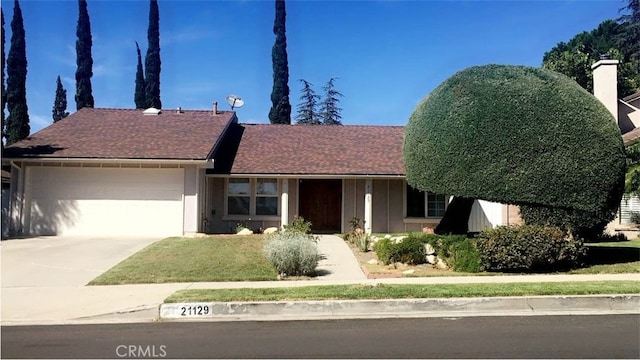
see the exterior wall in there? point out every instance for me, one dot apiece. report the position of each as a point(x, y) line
point(214, 208)
point(293, 198)
point(396, 206)
point(388, 208)
point(511, 215)
point(380, 202)
point(191, 211)
point(485, 214)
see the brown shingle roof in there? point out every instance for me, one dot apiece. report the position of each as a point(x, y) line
point(126, 134)
point(312, 150)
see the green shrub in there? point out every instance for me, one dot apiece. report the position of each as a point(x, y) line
point(385, 250)
point(292, 253)
point(528, 248)
point(516, 135)
point(298, 225)
point(458, 251)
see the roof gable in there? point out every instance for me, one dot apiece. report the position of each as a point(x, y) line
point(127, 134)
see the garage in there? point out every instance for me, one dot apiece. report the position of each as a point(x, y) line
point(104, 201)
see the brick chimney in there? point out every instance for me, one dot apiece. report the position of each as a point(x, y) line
point(605, 83)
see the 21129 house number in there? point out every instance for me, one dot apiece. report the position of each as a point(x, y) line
point(197, 310)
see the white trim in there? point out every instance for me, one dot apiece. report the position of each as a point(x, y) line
point(284, 203)
point(109, 161)
point(368, 205)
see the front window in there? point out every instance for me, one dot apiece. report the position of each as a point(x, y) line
point(424, 205)
point(239, 196)
point(266, 197)
point(252, 196)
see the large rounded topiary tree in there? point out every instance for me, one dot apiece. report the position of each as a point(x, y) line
point(517, 135)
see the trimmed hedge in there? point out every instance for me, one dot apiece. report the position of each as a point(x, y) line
point(517, 135)
point(528, 248)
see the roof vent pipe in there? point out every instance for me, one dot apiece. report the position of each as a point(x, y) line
point(215, 107)
point(179, 110)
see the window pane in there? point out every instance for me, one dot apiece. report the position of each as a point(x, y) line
point(238, 205)
point(267, 187)
point(415, 202)
point(435, 205)
point(239, 187)
point(266, 206)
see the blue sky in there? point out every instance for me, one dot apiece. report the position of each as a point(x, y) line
point(387, 55)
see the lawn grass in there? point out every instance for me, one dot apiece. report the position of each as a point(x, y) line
point(177, 259)
point(635, 243)
point(386, 291)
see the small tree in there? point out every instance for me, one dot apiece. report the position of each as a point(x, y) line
point(329, 110)
point(139, 96)
point(518, 135)
point(59, 111)
point(307, 109)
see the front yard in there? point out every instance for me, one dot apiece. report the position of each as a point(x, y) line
point(176, 259)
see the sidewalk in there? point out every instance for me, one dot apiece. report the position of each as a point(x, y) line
point(75, 303)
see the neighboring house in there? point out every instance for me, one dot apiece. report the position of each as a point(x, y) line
point(627, 114)
point(125, 172)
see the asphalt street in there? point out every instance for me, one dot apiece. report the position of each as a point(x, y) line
point(598, 336)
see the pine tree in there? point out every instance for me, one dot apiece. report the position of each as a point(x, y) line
point(139, 96)
point(280, 112)
point(59, 111)
point(329, 110)
point(631, 21)
point(307, 109)
point(152, 60)
point(3, 91)
point(18, 120)
point(84, 61)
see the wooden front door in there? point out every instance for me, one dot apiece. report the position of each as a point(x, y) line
point(321, 203)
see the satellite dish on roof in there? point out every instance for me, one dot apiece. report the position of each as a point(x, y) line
point(235, 101)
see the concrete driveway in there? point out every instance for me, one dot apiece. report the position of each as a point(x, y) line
point(61, 261)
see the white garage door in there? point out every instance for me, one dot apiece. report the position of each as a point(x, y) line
point(105, 201)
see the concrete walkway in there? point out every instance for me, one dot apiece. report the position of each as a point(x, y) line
point(339, 263)
point(26, 299)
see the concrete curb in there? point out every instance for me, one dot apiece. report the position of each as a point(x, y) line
point(441, 307)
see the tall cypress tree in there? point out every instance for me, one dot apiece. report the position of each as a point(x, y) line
point(280, 112)
point(139, 96)
point(84, 61)
point(3, 91)
point(152, 60)
point(59, 111)
point(18, 120)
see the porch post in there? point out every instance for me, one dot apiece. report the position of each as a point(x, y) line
point(367, 206)
point(284, 204)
